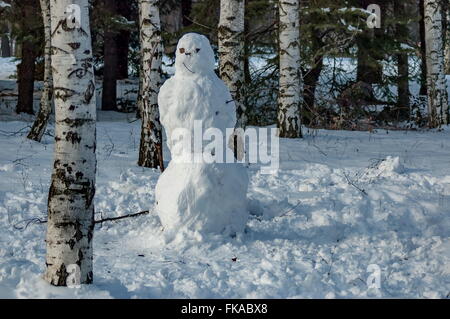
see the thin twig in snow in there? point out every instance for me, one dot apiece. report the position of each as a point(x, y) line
point(350, 182)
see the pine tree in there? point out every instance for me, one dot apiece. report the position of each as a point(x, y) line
point(5, 45)
point(45, 108)
point(369, 68)
point(123, 40)
point(70, 225)
point(28, 54)
point(423, 49)
point(401, 32)
point(290, 90)
point(110, 58)
point(150, 150)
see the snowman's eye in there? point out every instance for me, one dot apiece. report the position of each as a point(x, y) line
point(196, 50)
point(181, 50)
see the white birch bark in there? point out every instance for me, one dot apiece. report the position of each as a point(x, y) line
point(436, 82)
point(70, 203)
point(291, 87)
point(45, 108)
point(231, 53)
point(150, 150)
point(447, 48)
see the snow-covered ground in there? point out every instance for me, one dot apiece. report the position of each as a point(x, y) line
point(334, 208)
point(8, 67)
point(341, 201)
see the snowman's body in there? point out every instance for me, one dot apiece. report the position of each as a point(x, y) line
point(199, 196)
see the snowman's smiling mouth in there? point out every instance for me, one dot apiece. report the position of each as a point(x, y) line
point(188, 68)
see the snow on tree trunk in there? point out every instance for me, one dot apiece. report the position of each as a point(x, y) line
point(70, 202)
point(231, 52)
point(290, 90)
point(150, 150)
point(437, 91)
point(45, 109)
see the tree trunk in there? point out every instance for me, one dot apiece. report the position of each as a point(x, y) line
point(309, 95)
point(186, 7)
point(423, 49)
point(45, 109)
point(6, 48)
point(231, 53)
point(401, 31)
point(17, 50)
point(26, 69)
point(403, 110)
point(5, 44)
point(150, 150)
point(70, 201)
point(310, 114)
point(369, 69)
point(123, 42)
point(437, 86)
point(246, 53)
point(291, 84)
point(110, 57)
point(447, 39)
point(25, 75)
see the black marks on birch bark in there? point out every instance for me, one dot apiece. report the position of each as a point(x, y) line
point(63, 93)
point(73, 137)
point(62, 275)
point(74, 45)
point(89, 93)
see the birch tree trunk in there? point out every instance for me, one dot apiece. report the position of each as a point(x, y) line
point(70, 201)
point(231, 53)
point(291, 86)
point(150, 150)
point(447, 42)
point(45, 108)
point(437, 86)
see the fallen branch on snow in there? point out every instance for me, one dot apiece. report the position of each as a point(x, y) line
point(27, 222)
point(122, 217)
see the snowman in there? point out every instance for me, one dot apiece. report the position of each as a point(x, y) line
point(198, 196)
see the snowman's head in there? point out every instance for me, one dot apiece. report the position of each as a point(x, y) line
point(194, 55)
